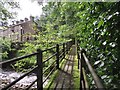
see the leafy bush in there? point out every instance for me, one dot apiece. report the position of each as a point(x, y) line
point(5, 46)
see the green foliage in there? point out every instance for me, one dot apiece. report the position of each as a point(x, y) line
point(27, 63)
point(44, 39)
point(5, 12)
point(5, 47)
point(101, 41)
point(96, 26)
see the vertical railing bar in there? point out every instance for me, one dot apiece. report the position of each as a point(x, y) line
point(81, 76)
point(64, 50)
point(39, 70)
point(78, 59)
point(57, 56)
point(67, 47)
point(40, 63)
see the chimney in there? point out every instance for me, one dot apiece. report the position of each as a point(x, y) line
point(17, 22)
point(13, 23)
point(21, 21)
point(26, 19)
point(31, 18)
point(10, 25)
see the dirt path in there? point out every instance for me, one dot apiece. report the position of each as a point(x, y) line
point(64, 79)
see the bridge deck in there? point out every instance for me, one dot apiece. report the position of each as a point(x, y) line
point(64, 78)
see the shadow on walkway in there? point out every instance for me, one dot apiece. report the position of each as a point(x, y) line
point(64, 79)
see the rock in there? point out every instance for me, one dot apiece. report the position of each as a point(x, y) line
point(9, 76)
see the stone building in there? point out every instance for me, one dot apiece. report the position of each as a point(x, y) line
point(20, 31)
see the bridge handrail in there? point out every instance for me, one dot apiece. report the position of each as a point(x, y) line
point(60, 54)
point(92, 71)
point(82, 62)
point(18, 58)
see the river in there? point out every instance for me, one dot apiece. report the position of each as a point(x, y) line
point(7, 77)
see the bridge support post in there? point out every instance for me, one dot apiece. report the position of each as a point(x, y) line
point(39, 70)
point(57, 56)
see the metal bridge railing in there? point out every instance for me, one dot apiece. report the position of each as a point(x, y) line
point(60, 51)
point(83, 64)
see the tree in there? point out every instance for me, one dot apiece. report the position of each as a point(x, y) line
point(5, 14)
point(96, 26)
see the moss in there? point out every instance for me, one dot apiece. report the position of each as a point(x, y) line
point(76, 74)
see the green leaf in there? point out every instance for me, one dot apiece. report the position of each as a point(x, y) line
point(101, 23)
